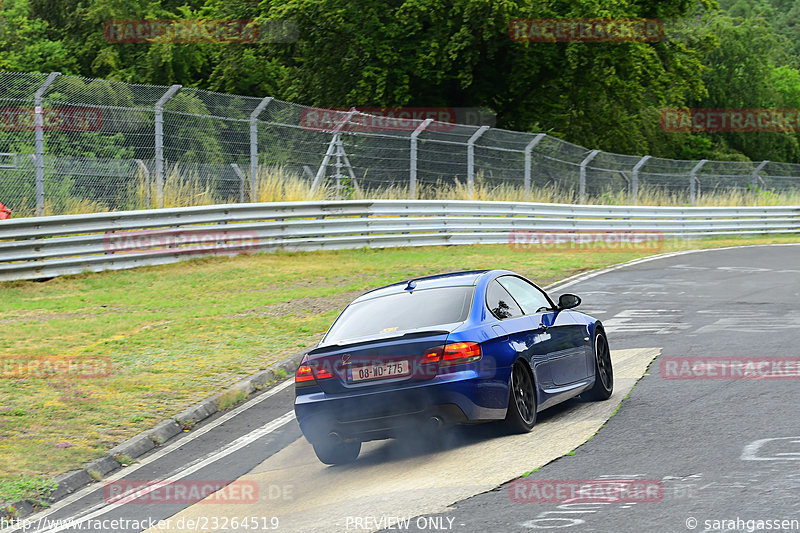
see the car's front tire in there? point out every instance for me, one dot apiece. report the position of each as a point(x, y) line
point(521, 414)
point(603, 371)
point(336, 452)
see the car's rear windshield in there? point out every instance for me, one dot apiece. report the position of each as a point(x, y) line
point(402, 312)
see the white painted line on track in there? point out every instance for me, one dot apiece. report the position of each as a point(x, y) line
point(572, 280)
point(39, 517)
point(223, 452)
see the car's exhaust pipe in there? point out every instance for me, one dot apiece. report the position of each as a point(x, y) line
point(435, 423)
point(335, 437)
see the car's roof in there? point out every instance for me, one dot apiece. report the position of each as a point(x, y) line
point(464, 278)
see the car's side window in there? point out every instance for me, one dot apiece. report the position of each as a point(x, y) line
point(531, 299)
point(500, 303)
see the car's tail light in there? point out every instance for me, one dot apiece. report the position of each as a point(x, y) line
point(433, 355)
point(460, 352)
point(453, 354)
point(307, 372)
point(303, 376)
point(322, 373)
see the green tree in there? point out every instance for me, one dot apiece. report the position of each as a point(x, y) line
point(81, 26)
point(26, 43)
point(453, 53)
point(458, 53)
point(748, 70)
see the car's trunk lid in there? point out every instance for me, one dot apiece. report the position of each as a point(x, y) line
point(379, 362)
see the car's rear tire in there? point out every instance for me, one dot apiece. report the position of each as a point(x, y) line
point(521, 414)
point(336, 452)
point(603, 371)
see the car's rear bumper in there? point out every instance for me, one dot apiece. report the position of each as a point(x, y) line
point(369, 415)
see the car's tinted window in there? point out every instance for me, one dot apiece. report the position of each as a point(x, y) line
point(500, 303)
point(402, 312)
point(531, 299)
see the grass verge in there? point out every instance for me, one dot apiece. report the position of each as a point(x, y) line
point(176, 334)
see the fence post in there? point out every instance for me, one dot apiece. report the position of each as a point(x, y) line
point(338, 150)
point(412, 170)
point(528, 151)
point(159, 142)
point(242, 180)
point(635, 179)
point(332, 147)
point(254, 145)
point(471, 158)
point(39, 149)
point(693, 180)
point(582, 184)
point(756, 177)
point(347, 164)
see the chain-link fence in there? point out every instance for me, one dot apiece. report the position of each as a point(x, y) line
point(70, 144)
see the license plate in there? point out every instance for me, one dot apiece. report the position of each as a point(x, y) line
point(378, 371)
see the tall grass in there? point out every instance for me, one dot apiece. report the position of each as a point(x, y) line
point(276, 184)
point(66, 205)
point(180, 190)
point(554, 193)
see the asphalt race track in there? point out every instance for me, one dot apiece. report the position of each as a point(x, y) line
point(691, 435)
point(722, 453)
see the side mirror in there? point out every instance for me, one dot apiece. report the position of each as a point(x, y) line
point(568, 301)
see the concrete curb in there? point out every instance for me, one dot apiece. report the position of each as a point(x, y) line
point(119, 456)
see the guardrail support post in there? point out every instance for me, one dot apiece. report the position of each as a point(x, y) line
point(693, 180)
point(254, 146)
point(412, 169)
point(39, 149)
point(635, 179)
point(159, 142)
point(756, 177)
point(582, 184)
point(471, 158)
point(528, 150)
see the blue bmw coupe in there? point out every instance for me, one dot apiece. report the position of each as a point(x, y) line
point(456, 348)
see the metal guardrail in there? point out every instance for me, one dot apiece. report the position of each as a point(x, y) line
point(45, 247)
